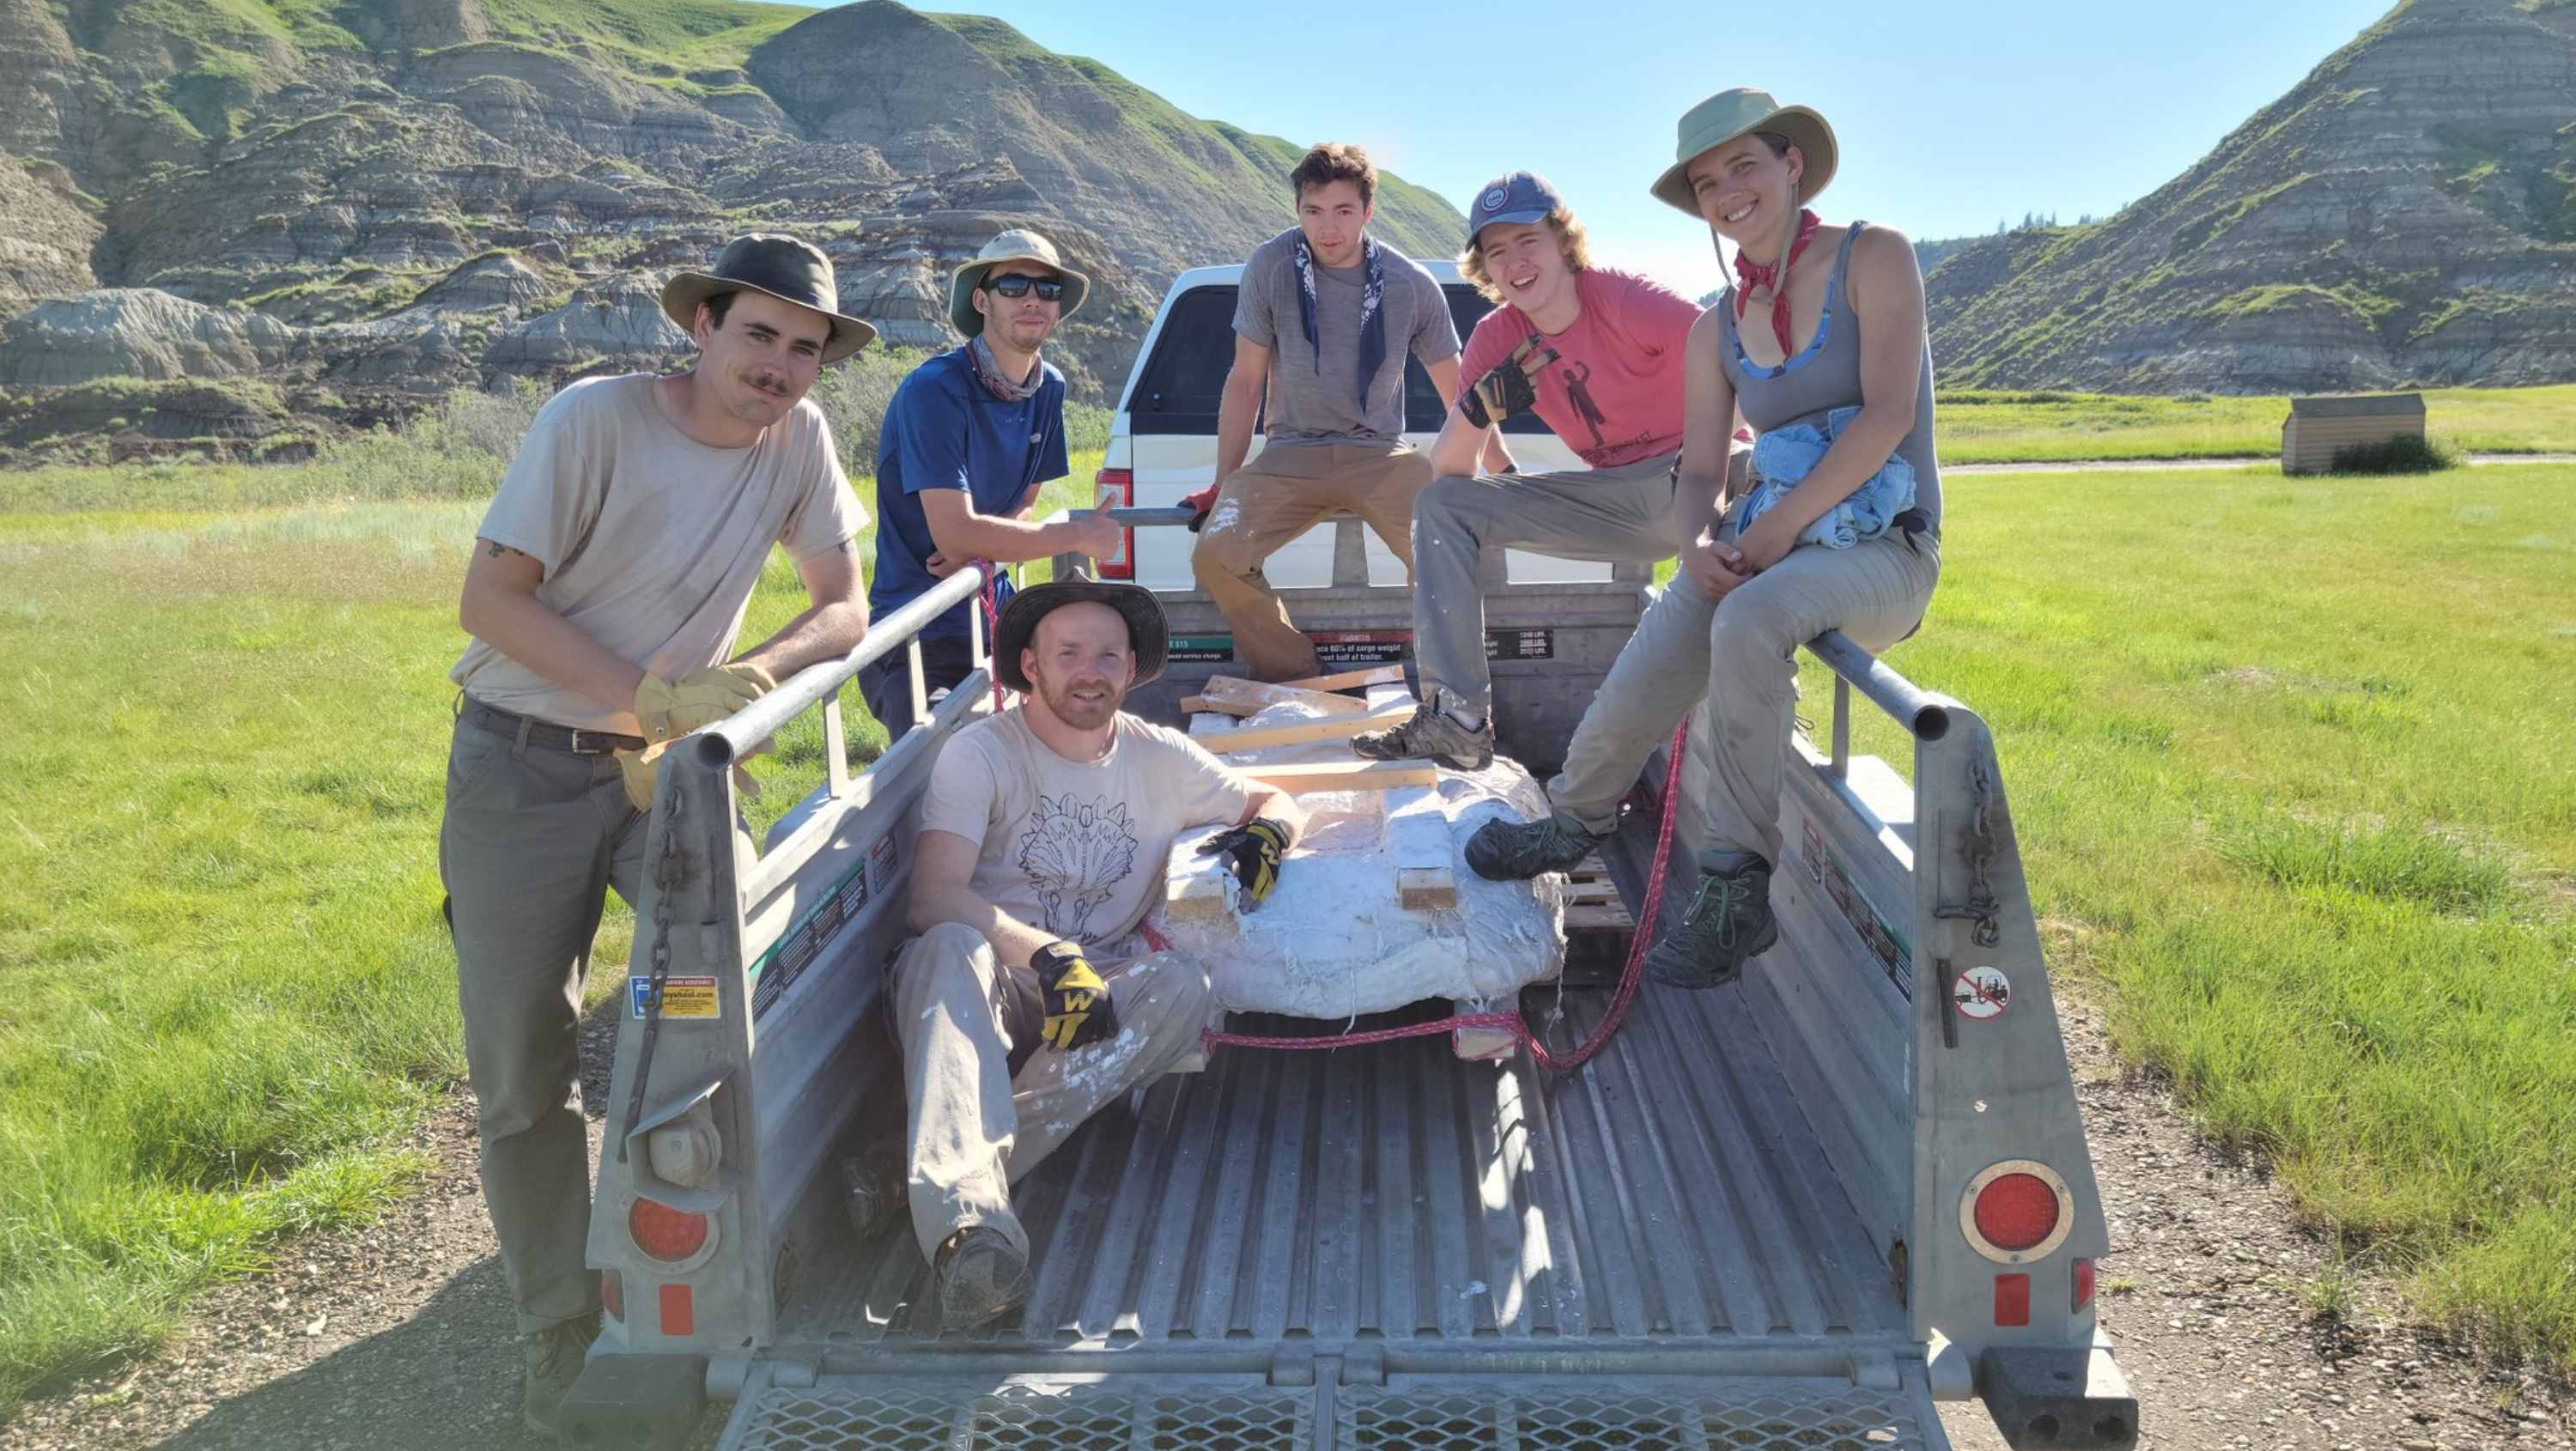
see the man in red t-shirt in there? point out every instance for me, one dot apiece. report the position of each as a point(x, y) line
point(1598, 355)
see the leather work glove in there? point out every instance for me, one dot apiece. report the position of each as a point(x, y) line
point(669, 710)
point(1506, 390)
point(1077, 1005)
point(1199, 503)
point(1252, 853)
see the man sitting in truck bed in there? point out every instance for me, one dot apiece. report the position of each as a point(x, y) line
point(1325, 316)
point(1597, 354)
point(1044, 832)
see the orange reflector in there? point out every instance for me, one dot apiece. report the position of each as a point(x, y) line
point(1116, 489)
point(2016, 1211)
point(665, 1233)
point(612, 1294)
point(679, 1310)
point(2012, 1299)
point(2083, 1284)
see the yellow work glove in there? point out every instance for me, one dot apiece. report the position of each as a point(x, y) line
point(669, 709)
point(640, 768)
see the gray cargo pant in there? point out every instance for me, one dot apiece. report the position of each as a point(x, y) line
point(531, 841)
point(1736, 654)
point(976, 1125)
point(1613, 515)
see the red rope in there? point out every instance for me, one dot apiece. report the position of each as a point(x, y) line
point(1630, 977)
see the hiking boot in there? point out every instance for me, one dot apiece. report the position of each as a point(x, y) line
point(1728, 925)
point(1432, 734)
point(1515, 851)
point(981, 1276)
point(554, 1362)
point(873, 1193)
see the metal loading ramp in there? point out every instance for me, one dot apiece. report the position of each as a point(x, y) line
point(1124, 1413)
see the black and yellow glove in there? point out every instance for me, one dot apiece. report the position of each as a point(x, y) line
point(1252, 853)
point(1506, 390)
point(1077, 1005)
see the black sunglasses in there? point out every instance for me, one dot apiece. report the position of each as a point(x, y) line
point(1015, 285)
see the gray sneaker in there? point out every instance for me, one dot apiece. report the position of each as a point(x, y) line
point(981, 1276)
point(1728, 925)
point(1432, 734)
point(555, 1355)
point(1515, 851)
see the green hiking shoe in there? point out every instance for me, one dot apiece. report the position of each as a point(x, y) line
point(555, 1355)
point(1432, 734)
point(1728, 925)
point(1515, 851)
point(981, 1276)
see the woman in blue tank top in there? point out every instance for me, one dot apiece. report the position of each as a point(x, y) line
point(1820, 346)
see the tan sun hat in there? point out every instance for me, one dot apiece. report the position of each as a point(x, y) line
point(1740, 112)
point(1016, 245)
point(784, 268)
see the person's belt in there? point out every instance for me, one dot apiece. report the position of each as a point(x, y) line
point(546, 734)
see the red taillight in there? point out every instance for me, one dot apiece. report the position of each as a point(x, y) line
point(666, 1233)
point(2083, 1284)
point(612, 1294)
point(679, 1310)
point(2012, 1299)
point(2017, 1211)
point(1116, 489)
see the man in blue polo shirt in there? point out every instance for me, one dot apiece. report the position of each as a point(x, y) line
point(970, 437)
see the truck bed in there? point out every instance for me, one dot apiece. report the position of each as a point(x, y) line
point(1663, 1228)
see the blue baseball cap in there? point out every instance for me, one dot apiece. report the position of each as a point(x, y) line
point(1519, 196)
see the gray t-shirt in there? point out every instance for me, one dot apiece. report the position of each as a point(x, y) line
point(1309, 404)
point(651, 541)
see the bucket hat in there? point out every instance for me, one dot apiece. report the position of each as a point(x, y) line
point(1740, 112)
point(1016, 245)
point(1149, 634)
point(783, 267)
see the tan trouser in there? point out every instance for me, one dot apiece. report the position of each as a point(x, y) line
point(975, 1126)
point(1282, 493)
point(1735, 653)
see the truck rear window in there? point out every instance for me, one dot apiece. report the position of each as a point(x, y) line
point(1178, 391)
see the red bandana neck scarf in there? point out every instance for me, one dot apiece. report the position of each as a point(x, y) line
point(1774, 280)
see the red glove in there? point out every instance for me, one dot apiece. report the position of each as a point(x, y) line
point(1198, 504)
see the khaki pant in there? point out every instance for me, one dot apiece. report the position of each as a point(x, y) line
point(1282, 493)
point(532, 840)
point(975, 1125)
point(1736, 654)
point(1614, 515)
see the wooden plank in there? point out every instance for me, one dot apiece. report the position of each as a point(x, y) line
point(1426, 889)
point(1418, 829)
point(1195, 886)
point(1332, 728)
point(1308, 776)
point(1228, 694)
point(1350, 679)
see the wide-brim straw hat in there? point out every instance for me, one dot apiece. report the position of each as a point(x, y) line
point(1149, 633)
point(1741, 112)
point(783, 267)
point(1016, 245)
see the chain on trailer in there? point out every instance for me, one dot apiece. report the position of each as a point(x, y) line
point(666, 885)
point(1978, 845)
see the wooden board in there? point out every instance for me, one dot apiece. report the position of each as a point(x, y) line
point(1419, 829)
point(1592, 900)
point(1332, 728)
point(1350, 679)
point(1308, 776)
point(1244, 697)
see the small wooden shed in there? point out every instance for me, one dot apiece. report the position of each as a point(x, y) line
point(2317, 427)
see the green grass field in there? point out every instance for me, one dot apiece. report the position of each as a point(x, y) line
point(2288, 759)
point(2038, 427)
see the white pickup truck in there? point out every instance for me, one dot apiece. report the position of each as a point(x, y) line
point(1795, 1212)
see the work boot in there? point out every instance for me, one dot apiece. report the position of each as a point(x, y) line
point(1515, 851)
point(981, 1276)
point(873, 1193)
point(1432, 734)
point(554, 1361)
point(1728, 925)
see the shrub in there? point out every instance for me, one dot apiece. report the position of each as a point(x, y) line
point(2407, 453)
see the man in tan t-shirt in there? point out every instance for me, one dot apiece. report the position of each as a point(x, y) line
point(1044, 833)
point(608, 580)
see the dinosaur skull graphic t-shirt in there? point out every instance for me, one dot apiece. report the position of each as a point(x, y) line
point(1073, 848)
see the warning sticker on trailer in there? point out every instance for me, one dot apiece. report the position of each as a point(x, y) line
point(1894, 954)
point(1520, 644)
point(1215, 649)
point(1981, 993)
point(682, 997)
point(1349, 649)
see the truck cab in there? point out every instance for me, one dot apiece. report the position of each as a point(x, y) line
point(1795, 1211)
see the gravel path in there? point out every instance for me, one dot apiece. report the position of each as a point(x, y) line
point(399, 1335)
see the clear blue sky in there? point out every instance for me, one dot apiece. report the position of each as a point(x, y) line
point(1951, 113)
